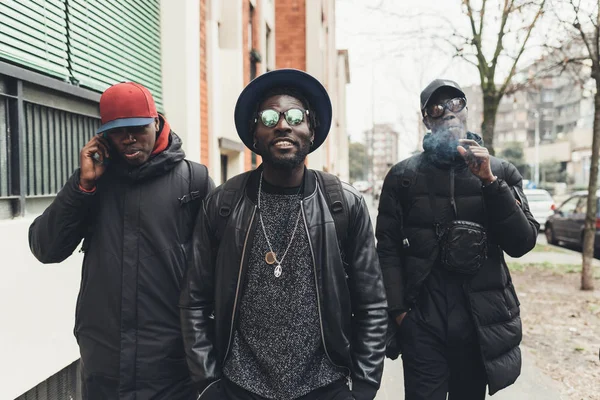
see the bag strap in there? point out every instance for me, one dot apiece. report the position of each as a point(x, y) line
point(233, 190)
point(198, 183)
point(334, 194)
point(407, 180)
point(437, 221)
point(409, 175)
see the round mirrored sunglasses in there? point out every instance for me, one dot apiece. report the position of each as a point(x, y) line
point(293, 116)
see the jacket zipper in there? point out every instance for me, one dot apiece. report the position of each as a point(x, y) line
point(349, 376)
point(237, 290)
point(452, 200)
point(206, 388)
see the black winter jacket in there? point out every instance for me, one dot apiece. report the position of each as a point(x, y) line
point(352, 309)
point(137, 236)
point(511, 228)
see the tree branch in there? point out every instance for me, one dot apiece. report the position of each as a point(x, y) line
point(520, 53)
point(505, 13)
point(482, 65)
point(577, 25)
point(482, 15)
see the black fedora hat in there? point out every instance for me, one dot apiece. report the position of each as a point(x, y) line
point(308, 86)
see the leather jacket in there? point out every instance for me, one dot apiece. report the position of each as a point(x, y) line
point(350, 293)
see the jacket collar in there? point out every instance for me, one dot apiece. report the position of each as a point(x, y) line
point(158, 164)
point(310, 183)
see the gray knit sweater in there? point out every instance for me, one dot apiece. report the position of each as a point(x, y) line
point(277, 350)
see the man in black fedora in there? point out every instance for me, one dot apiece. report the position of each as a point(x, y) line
point(284, 297)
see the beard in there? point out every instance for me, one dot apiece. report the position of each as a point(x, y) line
point(286, 161)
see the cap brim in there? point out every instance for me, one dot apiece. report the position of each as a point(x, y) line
point(309, 86)
point(124, 122)
point(440, 88)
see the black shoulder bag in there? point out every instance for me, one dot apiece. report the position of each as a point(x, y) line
point(463, 244)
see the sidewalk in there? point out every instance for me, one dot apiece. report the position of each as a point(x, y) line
point(558, 255)
point(531, 385)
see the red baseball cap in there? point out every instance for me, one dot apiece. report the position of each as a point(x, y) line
point(126, 104)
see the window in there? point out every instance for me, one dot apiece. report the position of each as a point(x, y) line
point(268, 49)
point(250, 27)
point(547, 96)
point(581, 205)
point(224, 162)
point(251, 51)
point(568, 207)
point(65, 384)
point(40, 140)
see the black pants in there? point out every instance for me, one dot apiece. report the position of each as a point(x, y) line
point(226, 390)
point(98, 387)
point(440, 351)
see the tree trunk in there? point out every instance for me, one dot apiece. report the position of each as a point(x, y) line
point(589, 234)
point(490, 107)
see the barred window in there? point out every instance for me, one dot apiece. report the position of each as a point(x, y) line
point(53, 139)
point(41, 134)
point(64, 385)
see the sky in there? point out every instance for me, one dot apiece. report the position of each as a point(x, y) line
point(393, 56)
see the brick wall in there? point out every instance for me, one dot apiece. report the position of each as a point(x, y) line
point(290, 34)
point(257, 31)
point(204, 134)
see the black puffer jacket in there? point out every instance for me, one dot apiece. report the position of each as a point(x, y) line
point(136, 238)
point(353, 309)
point(511, 228)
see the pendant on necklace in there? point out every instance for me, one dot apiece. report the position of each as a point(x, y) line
point(270, 258)
point(277, 271)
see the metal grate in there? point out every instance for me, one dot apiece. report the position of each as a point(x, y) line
point(64, 385)
point(53, 139)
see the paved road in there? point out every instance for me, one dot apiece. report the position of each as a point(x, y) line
point(531, 385)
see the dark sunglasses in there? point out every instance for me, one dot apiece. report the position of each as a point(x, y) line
point(293, 116)
point(437, 110)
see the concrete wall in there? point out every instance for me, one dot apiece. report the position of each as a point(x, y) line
point(37, 304)
point(180, 41)
point(342, 147)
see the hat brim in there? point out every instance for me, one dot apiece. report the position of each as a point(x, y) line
point(448, 87)
point(124, 122)
point(309, 86)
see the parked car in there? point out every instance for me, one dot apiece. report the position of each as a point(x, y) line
point(541, 205)
point(566, 225)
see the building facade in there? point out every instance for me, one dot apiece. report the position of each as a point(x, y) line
point(305, 40)
point(560, 110)
point(56, 58)
point(239, 44)
point(382, 148)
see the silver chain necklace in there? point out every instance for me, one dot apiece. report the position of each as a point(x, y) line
point(271, 257)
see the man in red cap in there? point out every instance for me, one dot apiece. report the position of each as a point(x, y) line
point(133, 201)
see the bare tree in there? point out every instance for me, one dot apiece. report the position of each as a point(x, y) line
point(517, 18)
point(491, 24)
point(582, 23)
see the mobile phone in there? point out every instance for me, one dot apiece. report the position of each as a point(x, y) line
point(106, 160)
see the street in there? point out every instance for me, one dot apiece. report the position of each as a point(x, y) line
point(533, 384)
